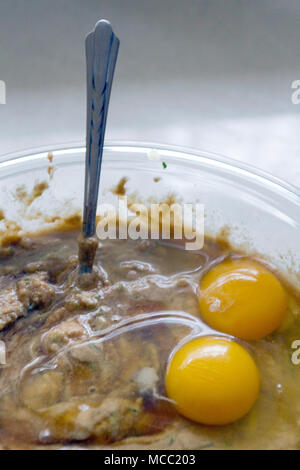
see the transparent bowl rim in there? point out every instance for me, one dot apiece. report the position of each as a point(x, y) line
point(184, 153)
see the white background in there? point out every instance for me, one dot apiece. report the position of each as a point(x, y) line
point(212, 74)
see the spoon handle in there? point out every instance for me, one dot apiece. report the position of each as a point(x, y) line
point(101, 55)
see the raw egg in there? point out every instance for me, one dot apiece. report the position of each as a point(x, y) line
point(242, 298)
point(212, 380)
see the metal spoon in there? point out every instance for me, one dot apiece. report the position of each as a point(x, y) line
point(101, 55)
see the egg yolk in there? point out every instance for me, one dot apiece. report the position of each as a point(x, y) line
point(242, 298)
point(212, 380)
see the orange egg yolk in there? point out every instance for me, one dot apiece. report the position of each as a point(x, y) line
point(212, 380)
point(242, 298)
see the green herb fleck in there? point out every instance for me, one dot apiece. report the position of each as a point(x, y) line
point(56, 338)
point(95, 346)
point(164, 165)
point(206, 445)
point(31, 307)
point(133, 410)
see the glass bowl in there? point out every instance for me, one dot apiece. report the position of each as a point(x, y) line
point(258, 213)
